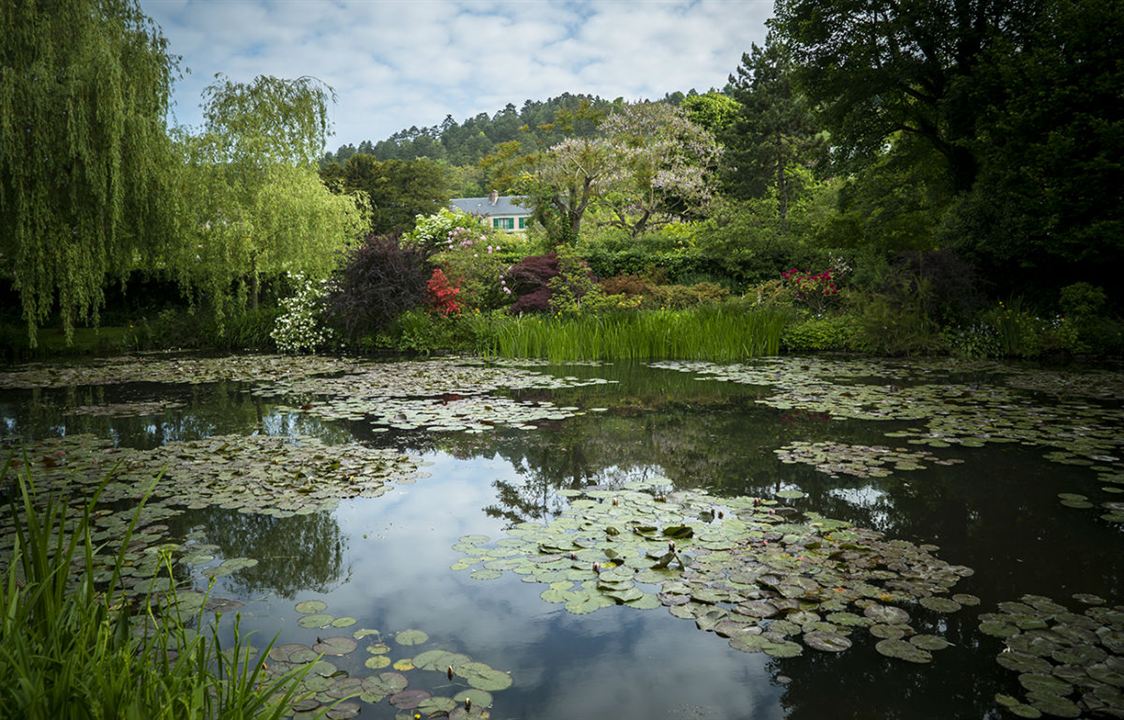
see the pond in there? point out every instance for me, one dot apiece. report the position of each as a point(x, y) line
point(788, 538)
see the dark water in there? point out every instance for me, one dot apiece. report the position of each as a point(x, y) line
point(386, 561)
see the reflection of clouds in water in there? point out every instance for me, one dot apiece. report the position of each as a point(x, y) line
point(867, 498)
point(617, 662)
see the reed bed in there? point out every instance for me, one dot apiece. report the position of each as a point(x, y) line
point(716, 334)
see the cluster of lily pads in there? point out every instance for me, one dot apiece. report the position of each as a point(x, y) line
point(468, 684)
point(1076, 426)
point(436, 395)
point(470, 414)
point(745, 568)
point(139, 408)
point(279, 476)
point(1069, 663)
point(863, 461)
point(192, 370)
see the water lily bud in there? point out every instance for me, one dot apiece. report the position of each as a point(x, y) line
point(468, 704)
point(597, 568)
point(720, 515)
point(616, 502)
point(671, 546)
point(449, 672)
point(573, 556)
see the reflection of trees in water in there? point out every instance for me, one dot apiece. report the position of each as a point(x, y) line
point(960, 682)
point(303, 552)
point(208, 409)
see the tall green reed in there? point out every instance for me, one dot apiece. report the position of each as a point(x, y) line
point(71, 647)
point(715, 333)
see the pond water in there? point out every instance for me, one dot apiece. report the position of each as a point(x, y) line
point(808, 503)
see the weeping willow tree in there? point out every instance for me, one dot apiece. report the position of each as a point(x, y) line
point(250, 201)
point(84, 155)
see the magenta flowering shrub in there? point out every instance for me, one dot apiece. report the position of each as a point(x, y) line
point(816, 291)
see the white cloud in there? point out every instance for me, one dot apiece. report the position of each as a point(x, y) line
point(396, 64)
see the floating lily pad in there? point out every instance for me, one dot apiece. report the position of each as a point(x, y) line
point(411, 637)
point(902, 650)
point(377, 662)
point(311, 607)
point(315, 621)
point(479, 698)
point(826, 641)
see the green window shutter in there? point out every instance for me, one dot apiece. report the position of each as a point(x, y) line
point(496, 223)
point(522, 223)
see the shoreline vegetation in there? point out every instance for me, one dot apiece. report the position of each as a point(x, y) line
point(75, 644)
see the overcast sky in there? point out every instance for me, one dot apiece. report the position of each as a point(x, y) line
point(394, 64)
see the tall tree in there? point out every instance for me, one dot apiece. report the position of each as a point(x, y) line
point(665, 162)
point(567, 179)
point(399, 190)
point(879, 68)
point(773, 135)
point(83, 151)
point(250, 199)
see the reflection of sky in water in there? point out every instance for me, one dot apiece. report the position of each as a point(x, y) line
point(640, 664)
point(868, 498)
point(386, 561)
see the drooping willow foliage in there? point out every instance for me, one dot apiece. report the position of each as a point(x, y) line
point(251, 202)
point(93, 186)
point(84, 154)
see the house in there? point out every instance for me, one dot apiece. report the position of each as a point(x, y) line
point(504, 211)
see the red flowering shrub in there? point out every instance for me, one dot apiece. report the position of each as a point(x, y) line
point(817, 291)
point(442, 294)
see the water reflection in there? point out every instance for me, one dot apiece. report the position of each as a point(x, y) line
point(385, 561)
point(294, 554)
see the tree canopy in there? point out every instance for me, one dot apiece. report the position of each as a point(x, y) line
point(84, 156)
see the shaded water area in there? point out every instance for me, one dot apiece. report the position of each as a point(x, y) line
point(970, 459)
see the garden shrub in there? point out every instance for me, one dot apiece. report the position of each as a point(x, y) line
point(890, 327)
point(442, 294)
point(1084, 306)
point(380, 281)
point(299, 327)
point(445, 230)
point(529, 281)
point(478, 267)
point(832, 332)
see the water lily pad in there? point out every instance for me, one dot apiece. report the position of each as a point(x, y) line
point(886, 615)
point(929, 642)
point(310, 607)
point(826, 641)
point(483, 677)
point(790, 494)
point(377, 662)
point(404, 665)
point(335, 646)
point(430, 707)
point(411, 637)
point(939, 604)
point(315, 621)
point(409, 699)
point(479, 698)
point(902, 650)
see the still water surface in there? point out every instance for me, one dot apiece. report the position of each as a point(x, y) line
point(386, 561)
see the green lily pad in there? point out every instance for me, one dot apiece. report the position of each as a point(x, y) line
point(902, 650)
point(479, 698)
point(826, 641)
point(315, 621)
point(411, 637)
point(310, 607)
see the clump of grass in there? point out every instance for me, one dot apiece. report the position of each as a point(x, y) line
point(713, 333)
point(72, 648)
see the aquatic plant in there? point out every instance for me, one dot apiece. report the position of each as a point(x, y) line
point(720, 334)
point(1069, 662)
point(72, 646)
point(740, 567)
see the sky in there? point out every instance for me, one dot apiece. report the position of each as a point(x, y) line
point(398, 63)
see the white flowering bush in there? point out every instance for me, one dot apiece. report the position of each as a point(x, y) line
point(300, 326)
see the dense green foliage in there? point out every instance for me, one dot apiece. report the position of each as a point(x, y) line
point(70, 646)
point(938, 177)
point(84, 158)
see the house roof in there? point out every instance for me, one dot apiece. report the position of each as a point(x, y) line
point(505, 205)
